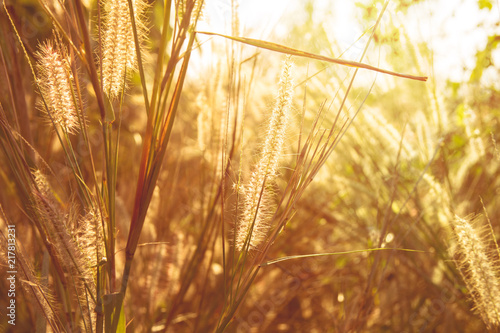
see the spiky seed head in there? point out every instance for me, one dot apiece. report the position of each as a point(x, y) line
point(56, 83)
point(118, 49)
point(258, 195)
point(481, 272)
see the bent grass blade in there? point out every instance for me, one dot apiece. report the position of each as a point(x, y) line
point(288, 50)
point(333, 254)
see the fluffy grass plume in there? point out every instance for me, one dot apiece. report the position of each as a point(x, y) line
point(479, 270)
point(56, 84)
point(258, 201)
point(118, 50)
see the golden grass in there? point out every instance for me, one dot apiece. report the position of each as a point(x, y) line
point(253, 225)
point(160, 199)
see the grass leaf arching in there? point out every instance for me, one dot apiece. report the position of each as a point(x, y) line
point(291, 51)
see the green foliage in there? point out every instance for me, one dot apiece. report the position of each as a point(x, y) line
point(483, 58)
point(488, 4)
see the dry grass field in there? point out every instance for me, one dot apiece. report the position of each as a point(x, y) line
point(243, 166)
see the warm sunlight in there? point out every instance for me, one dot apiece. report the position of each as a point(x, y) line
point(249, 166)
point(261, 17)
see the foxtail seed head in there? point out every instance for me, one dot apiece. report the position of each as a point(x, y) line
point(481, 273)
point(55, 80)
point(118, 49)
point(257, 193)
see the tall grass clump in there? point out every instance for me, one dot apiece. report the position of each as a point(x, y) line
point(115, 166)
point(57, 86)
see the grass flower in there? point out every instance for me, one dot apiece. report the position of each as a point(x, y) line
point(258, 197)
point(57, 87)
point(479, 270)
point(118, 49)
